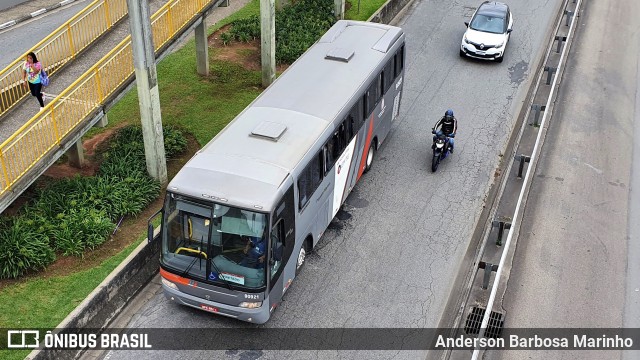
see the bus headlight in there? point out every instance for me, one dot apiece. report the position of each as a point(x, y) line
point(169, 284)
point(250, 305)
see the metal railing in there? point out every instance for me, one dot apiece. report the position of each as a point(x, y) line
point(61, 46)
point(66, 112)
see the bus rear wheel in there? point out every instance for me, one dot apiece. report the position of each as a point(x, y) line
point(302, 255)
point(370, 153)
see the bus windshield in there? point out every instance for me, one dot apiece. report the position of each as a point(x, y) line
point(214, 243)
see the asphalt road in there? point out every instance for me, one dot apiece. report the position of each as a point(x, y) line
point(5, 4)
point(17, 39)
point(577, 262)
point(391, 264)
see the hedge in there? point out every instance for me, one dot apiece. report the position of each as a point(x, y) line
point(72, 215)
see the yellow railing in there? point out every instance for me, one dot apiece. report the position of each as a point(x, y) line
point(63, 114)
point(61, 46)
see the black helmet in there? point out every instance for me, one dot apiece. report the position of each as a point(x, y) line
point(448, 113)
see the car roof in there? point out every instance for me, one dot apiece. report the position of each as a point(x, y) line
point(493, 8)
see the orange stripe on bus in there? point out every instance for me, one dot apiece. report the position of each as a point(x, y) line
point(363, 162)
point(173, 277)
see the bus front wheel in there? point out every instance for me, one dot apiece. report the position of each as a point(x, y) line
point(370, 153)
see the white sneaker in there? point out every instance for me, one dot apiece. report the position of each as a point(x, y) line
point(41, 108)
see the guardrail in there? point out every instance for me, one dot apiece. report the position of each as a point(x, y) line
point(61, 46)
point(62, 115)
point(524, 189)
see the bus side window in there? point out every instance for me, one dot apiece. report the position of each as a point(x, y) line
point(399, 61)
point(349, 124)
point(373, 95)
point(277, 247)
point(387, 79)
point(365, 106)
point(310, 179)
point(358, 116)
point(329, 158)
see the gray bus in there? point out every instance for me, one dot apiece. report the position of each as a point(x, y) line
point(241, 215)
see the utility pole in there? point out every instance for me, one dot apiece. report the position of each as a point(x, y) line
point(202, 48)
point(268, 41)
point(339, 9)
point(144, 62)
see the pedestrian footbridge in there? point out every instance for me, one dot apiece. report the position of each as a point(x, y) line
point(88, 75)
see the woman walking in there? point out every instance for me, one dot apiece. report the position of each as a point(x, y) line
point(31, 71)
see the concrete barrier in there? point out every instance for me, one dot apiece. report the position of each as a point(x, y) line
point(388, 11)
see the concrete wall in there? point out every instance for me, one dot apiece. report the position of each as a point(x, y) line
point(388, 11)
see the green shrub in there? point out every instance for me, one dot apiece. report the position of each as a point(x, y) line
point(75, 214)
point(81, 229)
point(22, 249)
point(297, 28)
point(175, 143)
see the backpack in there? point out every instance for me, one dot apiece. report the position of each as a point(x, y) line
point(44, 78)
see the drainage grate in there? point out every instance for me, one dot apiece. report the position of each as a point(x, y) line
point(474, 320)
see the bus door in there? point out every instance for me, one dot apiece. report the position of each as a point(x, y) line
point(282, 242)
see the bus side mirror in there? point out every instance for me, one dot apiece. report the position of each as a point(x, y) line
point(150, 233)
point(150, 227)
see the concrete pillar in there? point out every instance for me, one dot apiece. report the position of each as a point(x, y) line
point(339, 9)
point(76, 154)
point(144, 62)
point(268, 41)
point(202, 48)
point(103, 122)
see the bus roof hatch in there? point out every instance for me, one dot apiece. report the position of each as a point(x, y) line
point(269, 130)
point(339, 54)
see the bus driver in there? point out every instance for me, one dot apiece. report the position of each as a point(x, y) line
point(254, 252)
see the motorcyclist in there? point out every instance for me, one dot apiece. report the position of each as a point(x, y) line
point(447, 125)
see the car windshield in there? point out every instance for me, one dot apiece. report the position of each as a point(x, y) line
point(214, 243)
point(488, 23)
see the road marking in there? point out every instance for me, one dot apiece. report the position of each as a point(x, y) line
point(594, 168)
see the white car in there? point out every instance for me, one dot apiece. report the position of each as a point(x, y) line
point(488, 32)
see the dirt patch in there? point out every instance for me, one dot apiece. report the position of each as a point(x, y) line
point(246, 54)
point(91, 145)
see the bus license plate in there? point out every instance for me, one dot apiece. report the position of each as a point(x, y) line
point(209, 308)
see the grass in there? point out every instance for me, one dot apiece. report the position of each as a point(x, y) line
point(367, 8)
point(44, 303)
point(199, 105)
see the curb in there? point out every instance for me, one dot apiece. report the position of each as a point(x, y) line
point(34, 14)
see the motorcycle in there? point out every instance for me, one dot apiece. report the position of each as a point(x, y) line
point(440, 148)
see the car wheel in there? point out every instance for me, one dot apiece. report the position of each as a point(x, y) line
point(500, 58)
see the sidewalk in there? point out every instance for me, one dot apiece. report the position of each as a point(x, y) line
point(65, 77)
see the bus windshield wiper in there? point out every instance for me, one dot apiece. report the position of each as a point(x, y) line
point(220, 276)
point(186, 271)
